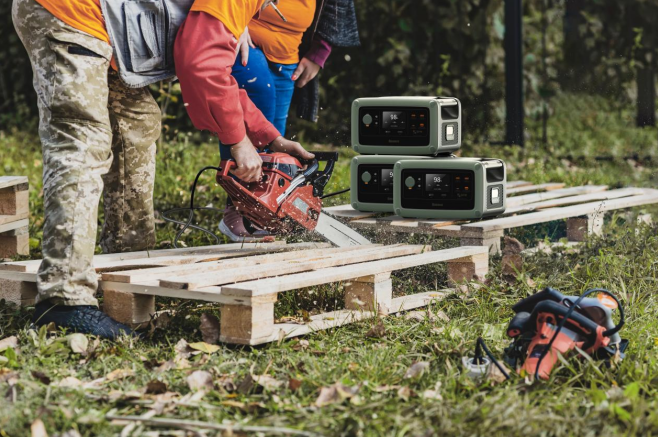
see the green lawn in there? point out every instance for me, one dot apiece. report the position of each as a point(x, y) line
point(582, 397)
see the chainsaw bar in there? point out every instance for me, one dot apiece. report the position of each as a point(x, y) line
point(337, 233)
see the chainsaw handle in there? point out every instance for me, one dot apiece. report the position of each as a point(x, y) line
point(528, 304)
point(319, 179)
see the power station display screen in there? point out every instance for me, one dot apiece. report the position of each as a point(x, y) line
point(387, 177)
point(437, 183)
point(394, 120)
point(375, 183)
point(379, 126)
point(438, 189)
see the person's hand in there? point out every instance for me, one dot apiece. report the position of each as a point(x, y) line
point(293, 148)
point(305, 72)
point(243, 46)
point(248, 163)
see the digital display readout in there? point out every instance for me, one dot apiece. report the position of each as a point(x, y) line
point(437, 183)
point(394, 120)
point(387, 177)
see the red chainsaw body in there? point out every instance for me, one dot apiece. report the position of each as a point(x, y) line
point(257, 201)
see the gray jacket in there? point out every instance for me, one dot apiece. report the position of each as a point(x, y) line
point(143, 34)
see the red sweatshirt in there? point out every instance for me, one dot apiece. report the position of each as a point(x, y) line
point(204, 53)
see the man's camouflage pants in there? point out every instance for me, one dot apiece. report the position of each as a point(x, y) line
point(98, 137)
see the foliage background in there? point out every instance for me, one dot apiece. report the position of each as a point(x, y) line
point(433, 47)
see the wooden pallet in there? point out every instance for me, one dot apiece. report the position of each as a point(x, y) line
point(246, 279)
point(583, 207)
point(14, 212)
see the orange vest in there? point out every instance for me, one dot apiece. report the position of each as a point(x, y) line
point(280, 40)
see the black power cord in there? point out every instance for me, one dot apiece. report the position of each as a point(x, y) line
point(572, 308)
point(336, 193)
point(191, 209)
point(477, 359)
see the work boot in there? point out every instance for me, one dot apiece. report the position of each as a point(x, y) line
point(85, 319)
point(232, 225)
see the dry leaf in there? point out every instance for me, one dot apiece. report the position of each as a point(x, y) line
point(377, 331)
point(200, 380)
point(301, 345)
point(118, 374)
point(156, 387)
point(41, 377)
point(209, 328)
point(441, 315)
point(9, 342)
point(418, 316)
point(432, 394)
point(246, 385)
point(495, 375)
point(416, 370)
point(512, 246)
point(335, 393)
point(38, 429)
point(182, 349)
point(78, 343)
point(69, 382)
point(294, 384)
point(405, 393)
point(204, 347)
point(267, 382)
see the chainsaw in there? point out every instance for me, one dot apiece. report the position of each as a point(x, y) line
point(288, 198)
point(548, 323)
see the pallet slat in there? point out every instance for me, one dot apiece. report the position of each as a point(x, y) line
point(574, 200)
point(306, 263)
point(554, 194)
point(336, 274)
point(530, 188)
point(10, 181)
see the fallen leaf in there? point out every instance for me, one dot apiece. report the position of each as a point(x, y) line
point(209, 328)
point(167, 365)
point(204, 347)
point(78, 343)
point(246, 385)
point(294, 384)
point(418, 316)
point(495, 375)
point(433, 395)
point(117, 374)
point(41, 377)
point(267, 382)
point(69, 382)
point(512, 246)
point(9, 342)
point(377, 331)
point(182, 349)
point(301, 345)
point(385, 388)
point(38, 429)
point(441, 315)
point(335, 393)
point(416, 369)
point(405, 393)
point(200, 380)
point(156, 387)
point(512, 266)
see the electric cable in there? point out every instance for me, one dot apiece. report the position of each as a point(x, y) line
point(335, 193)
point(572, 308)
point(479, 346)
point(188, 224)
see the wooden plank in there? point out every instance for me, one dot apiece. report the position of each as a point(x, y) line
point(516, 184)
point(649, 196)
point(554, 194)
point(343, 273)
point(530, 188)
point(574, 200)
point(18, 221)
point(132, 260)
point(10, 181)
point(236, 259)
point(14, 203)
point(347, 212)
point(302, 264)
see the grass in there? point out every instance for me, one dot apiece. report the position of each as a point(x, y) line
point(582, 397)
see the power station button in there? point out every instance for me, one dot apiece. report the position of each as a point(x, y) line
point(367, 119)
point(409, 182)
point(366, 176)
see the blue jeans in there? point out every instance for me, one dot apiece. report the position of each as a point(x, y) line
point(269, 85)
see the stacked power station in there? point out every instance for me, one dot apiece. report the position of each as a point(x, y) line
point(406, 164)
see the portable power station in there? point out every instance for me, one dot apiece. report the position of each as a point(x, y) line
point(419, 126)
point(461, 188)
point(371, 182)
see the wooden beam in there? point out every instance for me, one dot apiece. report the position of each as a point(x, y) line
point(467, 269)
point(575, 200)
point(370, 293)
point(134, 310)
point(11, 181)
point(344, 273)
point(347, 212)
point(530, 188)
point(247, 325)
point(16, 242)
point(554, 194)
point(298, 264)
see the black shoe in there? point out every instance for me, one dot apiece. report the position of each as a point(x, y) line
point(85, 319)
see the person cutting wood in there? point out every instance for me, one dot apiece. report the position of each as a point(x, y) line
point(92, 62)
